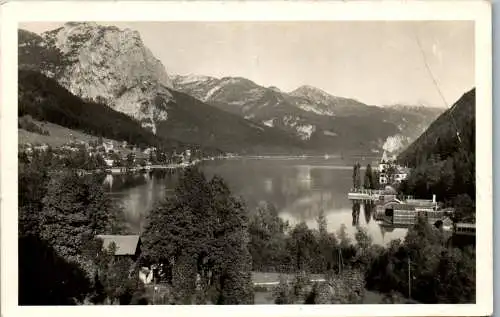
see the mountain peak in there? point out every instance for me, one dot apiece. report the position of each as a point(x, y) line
point(111, 65)
point(314, 94)
point(189, 79)
point(307, 90)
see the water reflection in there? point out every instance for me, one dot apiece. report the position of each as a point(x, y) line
point(299, 189)
point(369, 208)
point(356, 208)
point(268, 185)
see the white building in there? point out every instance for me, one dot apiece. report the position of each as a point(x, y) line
point(109, 162)
point(382, 179)
point(108, 146)
point(401, 174)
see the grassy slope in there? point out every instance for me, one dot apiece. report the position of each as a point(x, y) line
point(59, 135)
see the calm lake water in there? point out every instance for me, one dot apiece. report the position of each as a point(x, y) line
point(298, 188)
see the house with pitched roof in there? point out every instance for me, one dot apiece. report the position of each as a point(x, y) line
point(125, 245)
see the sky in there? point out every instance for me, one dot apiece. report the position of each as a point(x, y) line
point(376, 62)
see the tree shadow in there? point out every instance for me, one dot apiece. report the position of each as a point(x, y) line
point(45, 278)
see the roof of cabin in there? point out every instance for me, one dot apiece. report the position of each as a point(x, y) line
point(125, 244)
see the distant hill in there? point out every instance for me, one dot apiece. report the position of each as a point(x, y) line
point(440, 138)
point(443, 157)
point(194, 121)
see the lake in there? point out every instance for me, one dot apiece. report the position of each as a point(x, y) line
point(298, 187)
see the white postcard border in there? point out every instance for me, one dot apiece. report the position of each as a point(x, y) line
point(480, 11)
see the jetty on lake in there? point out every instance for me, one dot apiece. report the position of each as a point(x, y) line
point(149, 167)
point(365, 194)
point(466, 229)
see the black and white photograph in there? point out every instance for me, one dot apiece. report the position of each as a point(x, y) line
point(251, 162)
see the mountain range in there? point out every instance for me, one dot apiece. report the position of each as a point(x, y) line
point(113, 67)
point(322, 120)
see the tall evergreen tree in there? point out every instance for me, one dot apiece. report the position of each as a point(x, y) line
point(356, 176)
point(369, 181)
point(201, 234)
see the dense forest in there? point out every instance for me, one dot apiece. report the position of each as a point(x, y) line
point(443, 158)
point(196, 122)
point(44, 99)
point(60, 262)
point(440, 273)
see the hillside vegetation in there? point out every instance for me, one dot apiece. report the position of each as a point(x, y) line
point(443, 157)
point(45, 100)
point(194, 121)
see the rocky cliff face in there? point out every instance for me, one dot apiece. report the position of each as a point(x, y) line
point(113, 66)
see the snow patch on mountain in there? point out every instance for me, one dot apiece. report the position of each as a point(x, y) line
point(329, 133)
point(269, 123)
point(211, 92)
point(188, 79)
point(305, 131)
point(316, 110)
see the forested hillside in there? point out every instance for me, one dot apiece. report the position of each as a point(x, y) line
point(44, 99)
point(194, 121)
point(443, 157)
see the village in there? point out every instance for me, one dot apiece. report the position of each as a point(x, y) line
point(116, 157)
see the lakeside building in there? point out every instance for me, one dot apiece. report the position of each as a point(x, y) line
point(109, 162)
point(405, 213)
point(108, 146)
point(390, 171)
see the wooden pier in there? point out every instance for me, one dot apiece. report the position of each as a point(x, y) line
point(467, 229)
point(364, 194)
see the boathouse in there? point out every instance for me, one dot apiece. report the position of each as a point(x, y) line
point(404, 213)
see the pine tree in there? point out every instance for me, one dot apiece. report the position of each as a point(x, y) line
point(354, 176)
point(358, 175)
